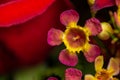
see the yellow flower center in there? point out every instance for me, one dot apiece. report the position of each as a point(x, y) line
point(103, 75)
point(75, 38)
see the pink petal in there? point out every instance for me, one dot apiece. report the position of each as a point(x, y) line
point(117, 2)
point(100, 4)
point(94, 26)
point(73, 74)
point(117, 19)
point(69, 16)
point(113, 66)
point(68, 58)
point(91, 53)
point(54, 37)
point(52, 78)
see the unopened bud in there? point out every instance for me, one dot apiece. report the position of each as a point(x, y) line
point(91, 2)
point(106, 31)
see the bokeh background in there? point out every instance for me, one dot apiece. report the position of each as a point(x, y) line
point(46, 64)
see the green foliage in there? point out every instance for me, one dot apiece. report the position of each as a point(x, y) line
point(85, 66)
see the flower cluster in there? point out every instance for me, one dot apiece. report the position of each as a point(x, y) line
point(91, 48)
point(101, 73)
point(77, 39)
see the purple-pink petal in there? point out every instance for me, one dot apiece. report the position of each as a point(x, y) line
point(92, 53)
point(73, 74)
point(117, 19)
point(69, 16)
point(94, 26)
point(52, 78)
point(68, 58)
point(117, 2)
point(100, 4)
point(54, 37)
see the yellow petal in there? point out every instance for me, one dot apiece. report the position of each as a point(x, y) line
point(113, 66)
point(99, 63)
point(90, 77)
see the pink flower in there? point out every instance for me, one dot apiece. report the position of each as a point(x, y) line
point(75, 38)
point(24, 26)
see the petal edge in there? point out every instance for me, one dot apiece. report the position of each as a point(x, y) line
point(73, 74)
point(68, 58)
point(69, 16)
point(54, 37)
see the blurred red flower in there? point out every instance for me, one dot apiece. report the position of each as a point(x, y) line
point(23, 30)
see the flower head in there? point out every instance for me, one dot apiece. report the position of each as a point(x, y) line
point(75, 38)
point(104, 74)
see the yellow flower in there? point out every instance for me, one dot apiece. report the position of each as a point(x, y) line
point(104, 74)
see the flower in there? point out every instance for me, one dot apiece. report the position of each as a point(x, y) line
point(104, 74)
point(75, 38)
point(24, 42)
point(73, 74)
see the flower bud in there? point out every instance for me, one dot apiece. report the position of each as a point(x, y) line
point(106, 31)
point(91, 2)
